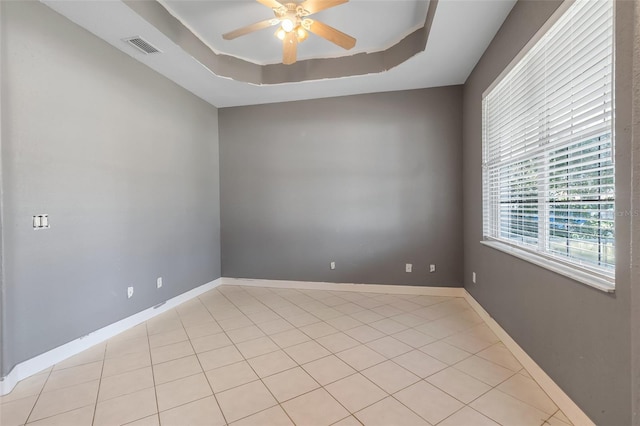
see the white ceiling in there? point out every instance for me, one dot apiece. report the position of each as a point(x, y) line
point(368, 21)
point(461, 31)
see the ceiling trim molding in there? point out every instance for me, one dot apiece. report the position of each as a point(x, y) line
point(306, 70)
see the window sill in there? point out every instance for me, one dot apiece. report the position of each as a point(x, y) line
point(557, 267)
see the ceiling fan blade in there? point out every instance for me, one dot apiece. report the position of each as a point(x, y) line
point(334, 36)
point(250, 28)
point(272, 4)
point(314, 6)
point(289, 48)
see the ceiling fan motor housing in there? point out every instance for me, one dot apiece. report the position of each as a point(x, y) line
point(293, 12)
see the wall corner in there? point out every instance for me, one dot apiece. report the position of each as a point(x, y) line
point(635, 224)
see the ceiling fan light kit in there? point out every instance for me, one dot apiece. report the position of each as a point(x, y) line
point(295, 26)
point(301, 33)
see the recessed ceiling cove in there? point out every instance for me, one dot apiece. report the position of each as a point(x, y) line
point(376, 25)
point(453, 37)
point(181, 31)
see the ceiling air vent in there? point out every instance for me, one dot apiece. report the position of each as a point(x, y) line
point(142, 45)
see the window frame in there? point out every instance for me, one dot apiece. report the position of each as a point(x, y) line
point(593, 277)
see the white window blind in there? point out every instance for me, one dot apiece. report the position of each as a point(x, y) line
point(548, 169)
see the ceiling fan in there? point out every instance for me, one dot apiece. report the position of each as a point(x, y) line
point(295, 25)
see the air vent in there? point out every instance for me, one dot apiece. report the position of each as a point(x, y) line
point(142, 45)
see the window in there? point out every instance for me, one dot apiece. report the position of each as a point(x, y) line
point(548, 147)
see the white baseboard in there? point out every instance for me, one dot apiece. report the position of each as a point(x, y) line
point(54, 356)
point(364, 288)
point(561, 399)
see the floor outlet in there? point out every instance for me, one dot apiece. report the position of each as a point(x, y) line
point(408, 267)
point(432, 268)
point(333, 265)
point(129, 292)
point(159, 282)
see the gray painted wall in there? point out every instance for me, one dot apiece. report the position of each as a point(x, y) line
point(578, 335)
point(371, 182)
point(3, 322)
point(635, 238)
point(125, 163)
point(3, 311)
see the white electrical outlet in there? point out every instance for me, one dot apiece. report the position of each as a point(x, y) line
point(159, 282)
point(129, 292)
point(408, 267)
point(432, 268)
point(473, 277)
point(333, 265)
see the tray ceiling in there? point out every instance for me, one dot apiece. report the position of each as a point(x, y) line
point(377, 25)
point(460, 32)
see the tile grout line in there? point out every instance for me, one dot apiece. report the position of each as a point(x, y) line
point(489, 390)
point(64, 387)
point(350, 375)
point(298, 365)
point(448, 366)
point(465, 330)
point(244, 360)
point(366, 378)
point(550, 417)
point(246, 310)
point(39, 395)
point(323, 386)
point(95, 407)
point(260, 378)
point(364, 344)
point(153, 373)
point(201, 367)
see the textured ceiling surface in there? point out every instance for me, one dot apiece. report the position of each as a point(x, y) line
point(376, 25)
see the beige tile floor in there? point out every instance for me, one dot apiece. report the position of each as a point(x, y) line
point(263, 356)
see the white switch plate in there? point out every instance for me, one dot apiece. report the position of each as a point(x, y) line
point(40, 221)
point(408, 267)
point(473, 277)
point(129, 292)
point(159, 282)
point(432, 268)
point(333, 265)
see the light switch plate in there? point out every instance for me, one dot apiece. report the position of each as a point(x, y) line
point(40, 221)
